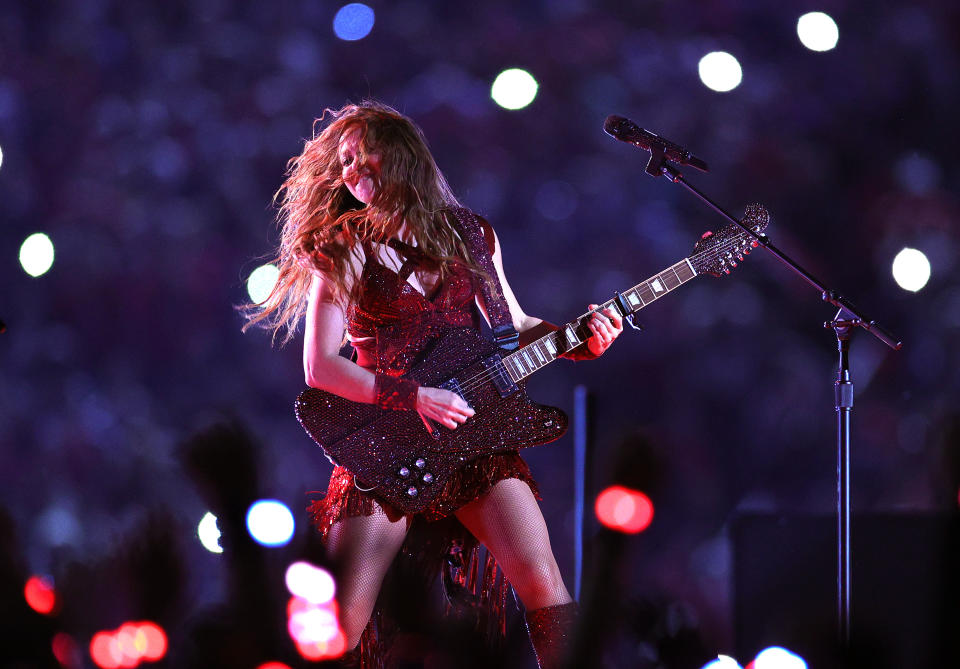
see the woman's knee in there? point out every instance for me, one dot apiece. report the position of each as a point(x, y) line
point(536, 579)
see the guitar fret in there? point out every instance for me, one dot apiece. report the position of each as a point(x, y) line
point(536, 349)
point(529, 360)
point(551, 347)
point(523, 368)
point(513, 368)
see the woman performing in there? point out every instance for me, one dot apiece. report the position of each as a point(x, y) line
point(374, 247)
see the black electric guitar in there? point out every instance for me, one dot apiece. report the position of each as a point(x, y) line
point(407, 460)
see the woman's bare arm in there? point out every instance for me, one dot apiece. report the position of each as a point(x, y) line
point(325, 368)
point(605, 326)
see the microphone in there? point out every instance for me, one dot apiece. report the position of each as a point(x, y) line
point(627, 131)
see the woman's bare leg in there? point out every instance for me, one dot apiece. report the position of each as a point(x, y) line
point(363, 547)
point(508, 521)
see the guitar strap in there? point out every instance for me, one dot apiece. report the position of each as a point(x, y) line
point(471, 231)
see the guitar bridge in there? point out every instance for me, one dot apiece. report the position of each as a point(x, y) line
point(499, 375)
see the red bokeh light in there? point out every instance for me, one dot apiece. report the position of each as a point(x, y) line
point(40, 595)
point(624, 510)
point(155, 641)
point(128, 646)
point(273, 665)
point(65, 650)
point(104, 651)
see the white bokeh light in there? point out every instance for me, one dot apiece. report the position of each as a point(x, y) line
point(778, 658)
point(817, 31)
point(270, 522)
point(209, 533)
point(911, 269)
point(261, 282)
point(1, 156)
point(36, 254)
point(310, 583)
point(514, 89)
point(722, 662)
point(719, 71)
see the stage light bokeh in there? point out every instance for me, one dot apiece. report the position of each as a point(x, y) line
point(310, 583)
point(104, 651)
point(261, 282)
point(270, 523)
point(624, 510)
point(36, 254)
point(818, 31)
point(720, 71)
point(353, 22)
point(209, 533)
point(776, 657)
point(911, 269)
point(40, 594)
point(722, 662)
point(66, 651)
point(514, 89)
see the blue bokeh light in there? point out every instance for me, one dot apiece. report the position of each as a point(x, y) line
point(353, 21)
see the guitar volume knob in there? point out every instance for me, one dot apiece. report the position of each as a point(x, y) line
point(428, 478)
point(412, 491)
point(420, 463)
point(404, 472)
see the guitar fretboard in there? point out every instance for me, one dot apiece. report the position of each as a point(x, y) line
point(546, 349)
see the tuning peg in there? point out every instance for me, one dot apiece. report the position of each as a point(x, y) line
point(747, 250)
point(740, 257)
point(754, 243)
point(726, 271)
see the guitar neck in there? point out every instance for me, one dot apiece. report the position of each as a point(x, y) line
point(540, 353)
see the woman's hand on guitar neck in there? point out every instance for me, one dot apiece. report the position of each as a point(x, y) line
point(443, 406)
point(606, 326)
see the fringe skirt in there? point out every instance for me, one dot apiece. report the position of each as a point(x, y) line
point(437, 544)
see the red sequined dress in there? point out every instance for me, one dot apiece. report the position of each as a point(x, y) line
point(389, 327)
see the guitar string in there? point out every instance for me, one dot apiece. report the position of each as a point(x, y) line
point(483, 377)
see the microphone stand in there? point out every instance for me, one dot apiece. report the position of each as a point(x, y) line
point(847, 318)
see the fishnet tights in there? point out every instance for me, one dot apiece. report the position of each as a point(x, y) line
point(507, 520)
point(363, 547)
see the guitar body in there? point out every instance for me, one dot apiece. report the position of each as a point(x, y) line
point(404, 460)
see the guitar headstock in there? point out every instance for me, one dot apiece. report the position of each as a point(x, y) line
point(718, 252)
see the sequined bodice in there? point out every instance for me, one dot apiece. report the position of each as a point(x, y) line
point(392, 321)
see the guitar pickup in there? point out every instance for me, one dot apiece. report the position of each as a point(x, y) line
point(453, 385)
point(433, 427)
point(499, 375)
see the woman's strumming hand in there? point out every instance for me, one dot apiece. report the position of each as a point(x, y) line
point(443, 406)
point(606, 326)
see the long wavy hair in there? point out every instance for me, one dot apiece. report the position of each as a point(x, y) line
point(322, 223)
